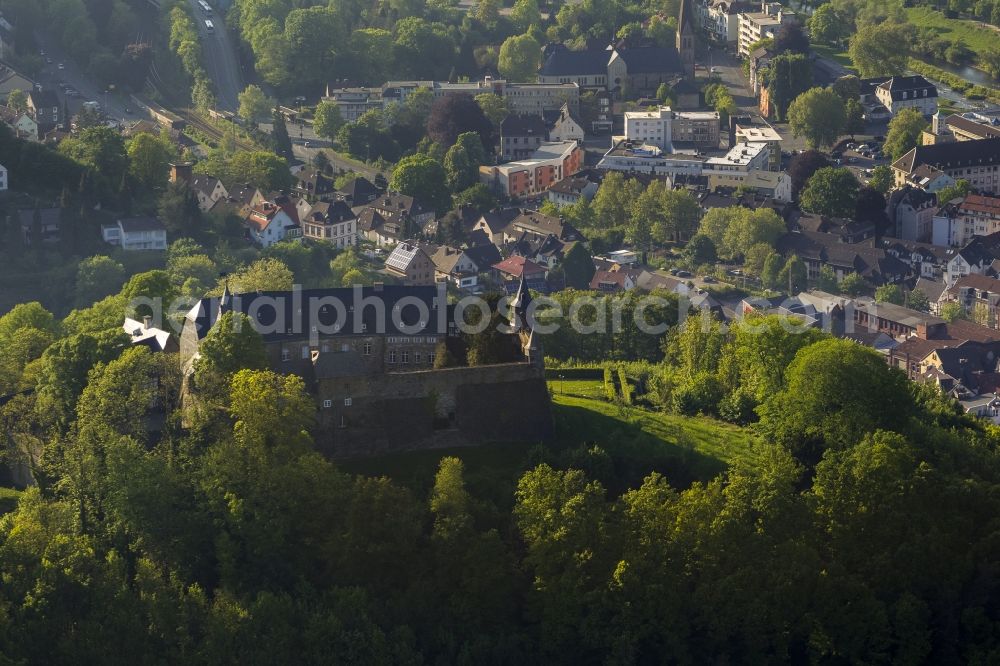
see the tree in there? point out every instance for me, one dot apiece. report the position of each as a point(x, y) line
point(917, 300)
point(827, 281)
point(803, 166)
point(202, 95)
point(149, 157)
point(875, 50)
point(818, 115)
point(525, 14)
point(102, 151)
point(230, 346)
point(905, 130)
point(179, 211)
point(452, 115)
point(836, 391)
point(959, 190)
point(461, 173)
point(854, 122)
point(882, 180)
point(793, 275)
point(826, 25)
point(423, 178)
point(952, 311)
point(789, 75)
point(488, 11)
point(327, 120)
point(848, 87)
point(700, 250)
point(889, 293)
point(265, 274)
point(519, 58)
point(97, 277)
point(17, 100)
point(791, 39)
point(831, 191)
point(479, 197)
point(853, 285)
point(254, 105)
point(770, 276)
point(578, 267)
point(494, 107)
point(870, 207)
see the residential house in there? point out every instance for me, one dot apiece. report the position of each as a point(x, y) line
point(569, 190)
point(332, 222)
point(136, 233)
point(924, 259)
point(911, 212)
point(979, 296)
point(755, 26)
point(818, 249)
point(313, 185)
point(392, 218)
point(978, 162)
point(358, 192)
point(908, 92)
point(653, 281)
point(721, 19)
point(271, 222)
point(24, 126)
point(44, 107)
point(979, 256)
point(512, 270)
point(410, 264)
point(209, 191)
point(934, 290)
point(241, 200)
point(521, 135)
point(493, 223)
point(549, 164)
point(10, 80)
point(616, 279)
point(456, 266)
point(43, 223)
point(354, 102)
point(898, 321)
point(563, 125)
point(775, 185)
point(538, 226)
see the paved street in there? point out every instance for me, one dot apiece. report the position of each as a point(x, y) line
point(220, 58)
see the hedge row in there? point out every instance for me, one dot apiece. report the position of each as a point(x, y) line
point(609, 385)
point(574, 373)
point(626, 388)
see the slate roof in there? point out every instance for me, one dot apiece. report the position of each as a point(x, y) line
point(563, 62)
point(651, 59)
point(969, 125)
point(334, 365)
point(359, 190)
point(204, 184)
point(897, 85)
point(932, 289)
point(954, 155)
point(483, 256)
point(279, 315)
point(331, 212)
point(522, 124)
point(49, 218)
point(139, 224)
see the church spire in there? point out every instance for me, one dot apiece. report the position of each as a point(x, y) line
point(685, 38)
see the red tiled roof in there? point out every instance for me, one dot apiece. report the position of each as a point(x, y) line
point(518, 265)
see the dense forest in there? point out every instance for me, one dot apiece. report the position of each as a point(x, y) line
point(859, 527)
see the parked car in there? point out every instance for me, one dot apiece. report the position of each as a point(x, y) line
point(61, 66)
point(683, 274)
point(673, 271)
point(715, 70)
point(708, 279)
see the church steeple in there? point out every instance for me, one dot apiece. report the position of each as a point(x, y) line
point(685, 37)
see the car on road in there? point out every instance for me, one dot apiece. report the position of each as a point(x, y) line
point(684, 274)
point(306, 144)
point(735, 272)
point(48, 61)
point(61, 66)
point(715, 70)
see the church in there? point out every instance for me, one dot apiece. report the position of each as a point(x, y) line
point(632, 68)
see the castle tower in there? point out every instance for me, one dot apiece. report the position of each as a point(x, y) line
point(685, 38)
point(531, 345)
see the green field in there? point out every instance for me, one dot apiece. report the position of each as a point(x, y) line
point(968, 32)
point(639, 441)
point(840, 57)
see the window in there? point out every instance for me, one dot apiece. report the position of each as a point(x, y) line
point(430, 358)
point(305, 351)
point(285, 355)
point(406, 356)
point(347, 402)
point(392, 357)
point(416, 357)
point(345, 347)
point(368, 349)
point(327, 404)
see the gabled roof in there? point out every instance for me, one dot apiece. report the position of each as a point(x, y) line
point(953, 155)
point(204, 184)
point(43, 98)
point(563, 62)
point(517, 266)
point(359, 189)
point(48, 217)
point(932, 289)
point(651, 59)
point(403, 255)
point(138, 224)
point(483, 256)
point(522, 124)
point(897, 85)
point(497, 220)
point(330, 212)
point(140, 334)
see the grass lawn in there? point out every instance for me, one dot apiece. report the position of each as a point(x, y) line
point(684, 449)
point(583, 388)
point(8, 499)
point(840, 57)
point(968, 32)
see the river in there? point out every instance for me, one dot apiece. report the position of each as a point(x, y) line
point(977, 76)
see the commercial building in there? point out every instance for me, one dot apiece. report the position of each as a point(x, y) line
point(978, 162)
point(549, 164)
point(755, 26)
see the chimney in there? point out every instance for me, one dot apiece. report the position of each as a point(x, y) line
point(181, 172)
point(146, 322)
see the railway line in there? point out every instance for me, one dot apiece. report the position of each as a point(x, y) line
point(211, 131)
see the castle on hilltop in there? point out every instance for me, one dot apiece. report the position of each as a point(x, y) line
point(369, 356)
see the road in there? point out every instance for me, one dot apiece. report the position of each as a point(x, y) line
point(302, 134)
point(114, 105)
point(220, 59)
